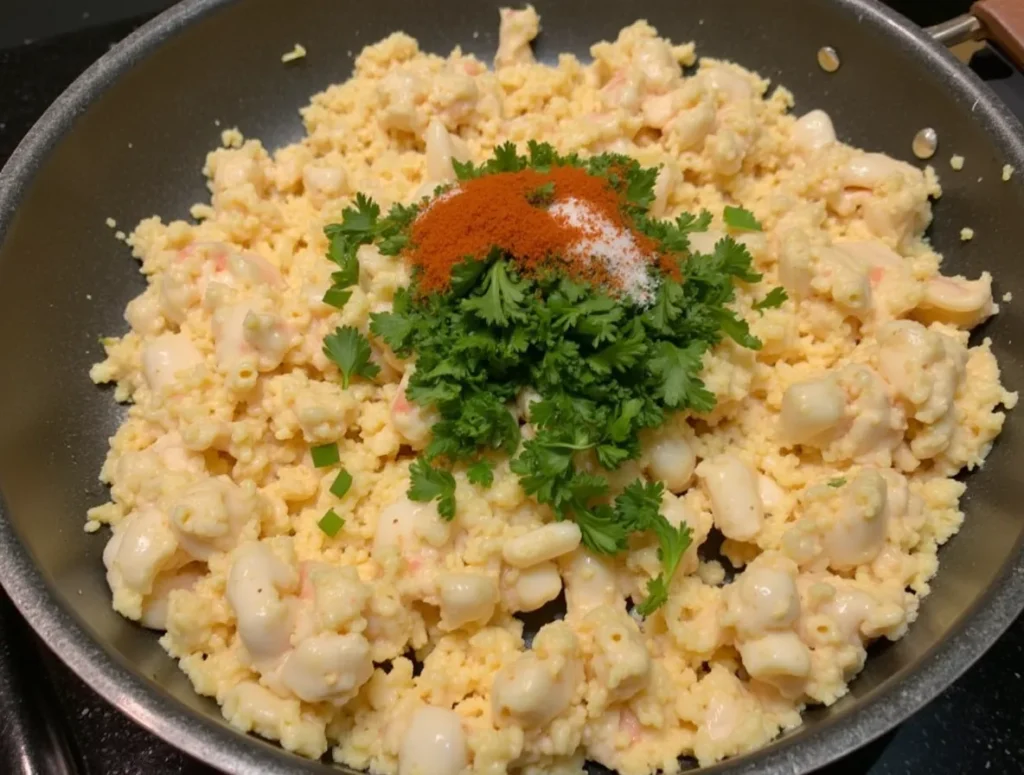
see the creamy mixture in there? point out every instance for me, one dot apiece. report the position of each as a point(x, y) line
point(826, 465)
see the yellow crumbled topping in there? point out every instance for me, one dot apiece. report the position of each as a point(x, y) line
point(232, 138)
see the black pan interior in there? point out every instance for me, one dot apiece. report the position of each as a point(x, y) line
point(137, 149)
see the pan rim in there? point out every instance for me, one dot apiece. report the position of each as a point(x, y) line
point(226, 749)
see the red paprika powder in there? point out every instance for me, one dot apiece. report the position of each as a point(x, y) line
point(502, 210)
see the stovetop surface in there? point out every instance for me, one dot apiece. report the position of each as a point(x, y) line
point(51, 722)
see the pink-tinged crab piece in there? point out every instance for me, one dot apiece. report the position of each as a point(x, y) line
point(630, 724)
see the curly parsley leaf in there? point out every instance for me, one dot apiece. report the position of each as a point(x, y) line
point(601, 532)
point(543, 156)
point(501, 299)
point(481, 473)
point(343, 254)
point(674, 236)
point(351, 352)
point(623, 353)
point(357, 227)
point(464, 170)
point(640, 186)
point(483, 421)
point(466, 274)
point(772, 300)
point(337, 297)
point(428, 483)
point(688, 223)
point(506, 159)
point(359, 220)
point(395, 328)
point(639, 508)
point(543, 195)
point(740, 219)
point(731, 258)
point(639, 504)
point(361, 224)
point(677, 370)
point(673, 543)
point(737, 329)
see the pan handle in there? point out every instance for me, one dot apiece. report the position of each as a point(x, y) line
point(960, 29)
point(1003, 22)
point(1000, 21)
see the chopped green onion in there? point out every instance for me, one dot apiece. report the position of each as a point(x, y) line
point(325, 455)
point(330, 523)
point(341, 483)
point(337, 297)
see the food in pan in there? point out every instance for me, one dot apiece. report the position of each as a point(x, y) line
point(624, 347)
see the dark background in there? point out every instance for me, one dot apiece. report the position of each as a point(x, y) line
point(977, 726)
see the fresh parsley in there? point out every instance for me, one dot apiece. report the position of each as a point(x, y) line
point(673, 543)
point(429, 483)
point(351, 352)
point(772, 300)
point(543, 195)
point(677, 369)
point(837, 482)
point(337, 297)
point(361, 224)
point(481, 473)
point(605, 368)
point(740, 219)
point(501, 301)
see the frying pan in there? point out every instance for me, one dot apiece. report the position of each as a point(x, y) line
point(128, 138)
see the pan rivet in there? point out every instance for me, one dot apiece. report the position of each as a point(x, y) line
point(828, 59)
point(925, 143)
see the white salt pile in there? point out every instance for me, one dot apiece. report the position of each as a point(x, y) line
point(626, 264)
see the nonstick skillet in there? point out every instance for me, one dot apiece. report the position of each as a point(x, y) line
point(127, 140)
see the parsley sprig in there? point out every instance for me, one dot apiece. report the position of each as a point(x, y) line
point(360, 225)
point(740, 219)
point(351, 351)
point(605, 368)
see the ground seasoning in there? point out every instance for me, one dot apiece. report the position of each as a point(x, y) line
point(538, 218)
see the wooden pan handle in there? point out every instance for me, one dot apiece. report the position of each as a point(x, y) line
point(1003, 21)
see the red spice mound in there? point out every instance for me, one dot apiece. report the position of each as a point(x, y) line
point(496, 211)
